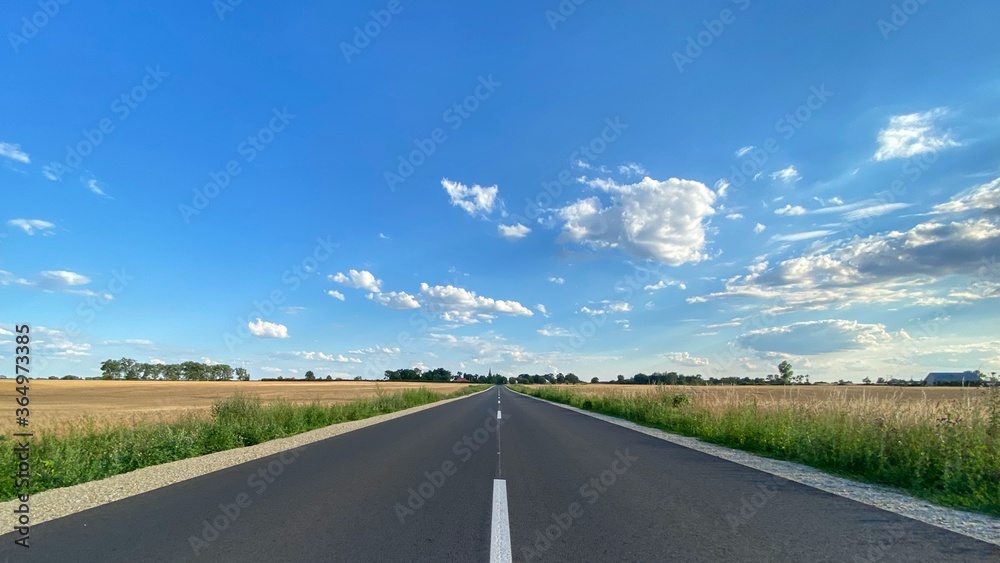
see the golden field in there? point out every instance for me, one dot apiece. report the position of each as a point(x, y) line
point(57, 406)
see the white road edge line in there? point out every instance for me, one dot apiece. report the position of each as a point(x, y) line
point(500, 535)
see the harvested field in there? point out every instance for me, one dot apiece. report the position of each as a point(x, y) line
point(57, 406)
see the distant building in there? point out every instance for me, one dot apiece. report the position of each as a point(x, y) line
point(951, 378)
point(460, 380)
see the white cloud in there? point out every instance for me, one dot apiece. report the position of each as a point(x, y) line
point(759, 228)
point(808, 235)
point(789, 175)
point(984, 197)
point(13, 151)
point(686, 359)
point(157, 362)
point(734, 216)
point(722, 187)
point(513, 232)
point(320, 356)
point(662, 221)
point(619, 307)
point(383, 236)
point(816, 337)
point(790, 210)
point(268, 369)
point(264, 329)
point(475, 200)
point(398, 300)
point(541, 309)
point(913, 134)
point(335, 294)
point(663, 284)
point(95, 186)
point(744, 150)
point(552, 330)
point(60, 279)
point(632, 169)
point(557, 281)
point(31, 226)
point(918, 267)
point(359, 280)
point(456, 304)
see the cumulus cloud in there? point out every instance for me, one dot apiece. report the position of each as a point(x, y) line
point(398, 300)
point(686, 359)
point(513, 232)
point(13, 151)
point(335, 294)
point(557, 281)
point(656, 220)
point(456, 304)
point(816, 337)
point(607, 307)
point(913, 134)
point(734, 216)
point(264, 329)
point(476, 200)
point(359, 280)
point(790, 210)
point(552, 330)
point(31, 226)
point(789, 175)
point(758, 229)
point(541, 309)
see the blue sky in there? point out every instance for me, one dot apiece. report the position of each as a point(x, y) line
point(535, 187)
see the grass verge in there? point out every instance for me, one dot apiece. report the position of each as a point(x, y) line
point(92, 453)
point(947, 453)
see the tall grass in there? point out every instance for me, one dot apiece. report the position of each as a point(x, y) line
point(94, 452)
point(947, 452)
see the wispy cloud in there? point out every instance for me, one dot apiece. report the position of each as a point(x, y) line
point(13, 151)
point(32, 226)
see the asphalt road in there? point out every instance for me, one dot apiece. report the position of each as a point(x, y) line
point(421, 488)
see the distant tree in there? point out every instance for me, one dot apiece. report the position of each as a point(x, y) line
point(785, 369)
point(595, 380)
point(621, 378)
point(310, 376)
point(867, 381)
point(242, 374)
point(329, 378)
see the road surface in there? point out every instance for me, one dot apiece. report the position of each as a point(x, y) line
point(452, 483)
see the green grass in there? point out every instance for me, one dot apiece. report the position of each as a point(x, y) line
point(949, 457)
point(88, 454)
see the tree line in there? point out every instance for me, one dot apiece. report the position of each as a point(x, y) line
point(129, 369)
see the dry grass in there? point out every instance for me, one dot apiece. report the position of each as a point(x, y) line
point(59, 406)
